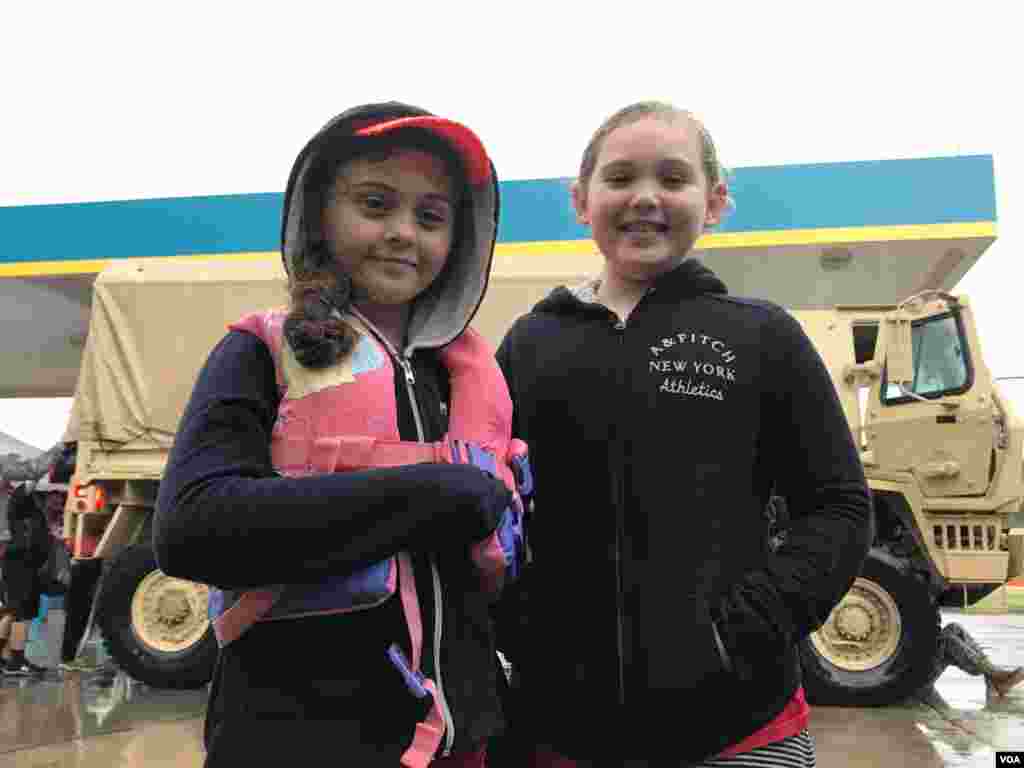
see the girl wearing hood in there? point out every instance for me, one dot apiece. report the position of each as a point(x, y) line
point(390, 217)
point(660, 413)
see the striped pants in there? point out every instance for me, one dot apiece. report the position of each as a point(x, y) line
point(793, 752)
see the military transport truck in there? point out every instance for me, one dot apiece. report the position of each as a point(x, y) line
point(941, 448)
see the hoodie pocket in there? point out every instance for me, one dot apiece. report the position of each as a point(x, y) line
point(675, 646)
point(752, 634)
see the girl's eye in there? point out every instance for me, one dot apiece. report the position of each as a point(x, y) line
point(432, 218)
point(619, 180)
point(674, 181)
point(375, 202)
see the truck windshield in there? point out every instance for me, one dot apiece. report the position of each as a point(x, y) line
point(941, 363)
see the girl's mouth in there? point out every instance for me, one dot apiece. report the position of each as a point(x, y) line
point(401, 262)
point(644, 227)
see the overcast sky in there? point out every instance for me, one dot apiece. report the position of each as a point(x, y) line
point(107, 100)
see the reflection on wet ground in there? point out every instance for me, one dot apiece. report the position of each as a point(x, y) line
point(105, 719)
point(97, 718)
point(959, 723)
point(972, 722)
point(68, 719)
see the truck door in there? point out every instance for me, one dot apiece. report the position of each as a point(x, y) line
point(940, 424)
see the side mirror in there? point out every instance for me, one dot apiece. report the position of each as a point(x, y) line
point(899, 349)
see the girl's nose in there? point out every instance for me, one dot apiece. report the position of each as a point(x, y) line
point(403, 229)
point(645, 196)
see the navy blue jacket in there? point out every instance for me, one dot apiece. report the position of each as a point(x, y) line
point(655, 619)
point(225, 518)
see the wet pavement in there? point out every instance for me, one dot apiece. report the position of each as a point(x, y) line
point(105, 719)
point(98, 719)
point(959, 723)
point(95, 718)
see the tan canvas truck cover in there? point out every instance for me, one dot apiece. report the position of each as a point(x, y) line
point(153, 325)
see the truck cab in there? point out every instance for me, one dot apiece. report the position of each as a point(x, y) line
point(941, 448)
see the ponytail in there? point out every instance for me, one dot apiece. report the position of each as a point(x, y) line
point(315, 332)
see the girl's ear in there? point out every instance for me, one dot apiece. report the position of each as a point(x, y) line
point(718, 203)
point(579, 203)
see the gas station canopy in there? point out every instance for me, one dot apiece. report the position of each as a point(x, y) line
point(802, 235)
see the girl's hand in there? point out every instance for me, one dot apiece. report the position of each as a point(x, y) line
point(477, 502)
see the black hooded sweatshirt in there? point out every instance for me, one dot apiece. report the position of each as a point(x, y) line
point(654, 620)
point(323, 686)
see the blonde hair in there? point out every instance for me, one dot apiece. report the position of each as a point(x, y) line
point(713, 168)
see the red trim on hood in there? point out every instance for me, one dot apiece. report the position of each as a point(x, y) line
point(465, 142)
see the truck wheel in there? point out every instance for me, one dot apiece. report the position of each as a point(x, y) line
point(156, 627)
point(878, 645)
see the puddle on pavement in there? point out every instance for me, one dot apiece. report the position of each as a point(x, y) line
point(65, 707)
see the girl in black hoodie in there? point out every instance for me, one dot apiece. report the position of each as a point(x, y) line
point(655, 622)
point(389, 222)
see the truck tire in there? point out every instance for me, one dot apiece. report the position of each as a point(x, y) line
point(156, 627)
point(878, 646)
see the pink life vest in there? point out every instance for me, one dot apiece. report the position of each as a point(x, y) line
point(349, 421)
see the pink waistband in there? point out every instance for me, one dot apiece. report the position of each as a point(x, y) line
point(789, 722)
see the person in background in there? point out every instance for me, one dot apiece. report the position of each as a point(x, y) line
point(55, 572)
point(85, 576)
point(50, 497)
point(25, 554)
point(956, 648)
point(6, 489)
point(85, 570)
point(6, 613)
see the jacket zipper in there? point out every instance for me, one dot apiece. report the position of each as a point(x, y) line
point(410, 380)
point(449, 723)
point(620, 331)
point(619, 325)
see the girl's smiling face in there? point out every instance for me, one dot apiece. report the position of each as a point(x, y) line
point(389, 224)
point(649, 199)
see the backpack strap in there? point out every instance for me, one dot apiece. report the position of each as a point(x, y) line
point(428, 734)
point(250, 607)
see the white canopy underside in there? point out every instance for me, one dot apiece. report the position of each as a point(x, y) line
point(176, 310)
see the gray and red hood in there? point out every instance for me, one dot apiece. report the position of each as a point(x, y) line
point(445, 309)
